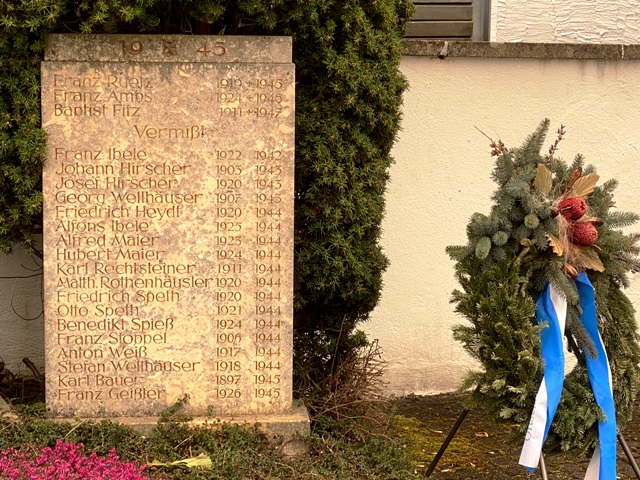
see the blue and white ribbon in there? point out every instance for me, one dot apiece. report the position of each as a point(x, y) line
point(551, 308)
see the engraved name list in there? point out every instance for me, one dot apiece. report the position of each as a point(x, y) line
point(168, 196)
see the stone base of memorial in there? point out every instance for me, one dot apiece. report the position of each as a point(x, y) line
point(285, 431)
point(168, 228)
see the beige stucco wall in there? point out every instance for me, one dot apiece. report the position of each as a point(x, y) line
point(442, 176)
point(21, 320)
point(582, 21)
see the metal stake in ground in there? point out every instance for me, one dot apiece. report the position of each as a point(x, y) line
point(446, 442)
point(543, 468)
point(452, 434)
point(627, 452)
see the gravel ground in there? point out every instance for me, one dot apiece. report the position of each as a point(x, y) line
point(484, 449)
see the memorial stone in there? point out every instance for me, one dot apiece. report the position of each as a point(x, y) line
point(168, 224)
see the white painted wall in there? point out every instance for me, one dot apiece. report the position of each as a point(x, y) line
point(562, 21)
point(442, 176)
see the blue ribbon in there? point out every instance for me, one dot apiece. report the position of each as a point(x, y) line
point(600, 378)
point(597, 370)
point(552, 353)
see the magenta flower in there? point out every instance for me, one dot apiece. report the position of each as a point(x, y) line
point(66, 461)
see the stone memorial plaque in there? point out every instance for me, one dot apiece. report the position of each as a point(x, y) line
point(168, 224)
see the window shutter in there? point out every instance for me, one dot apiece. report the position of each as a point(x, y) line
point(442, 20)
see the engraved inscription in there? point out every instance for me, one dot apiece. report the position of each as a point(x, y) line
point(168, 230)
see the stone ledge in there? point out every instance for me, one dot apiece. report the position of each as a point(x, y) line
point(286, 430)
point(547, 51)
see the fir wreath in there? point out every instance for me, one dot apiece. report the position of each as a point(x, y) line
point(548, 222)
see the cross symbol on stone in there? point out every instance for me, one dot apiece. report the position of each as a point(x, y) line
point(168, 48)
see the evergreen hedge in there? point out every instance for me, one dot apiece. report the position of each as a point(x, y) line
point(348, 98)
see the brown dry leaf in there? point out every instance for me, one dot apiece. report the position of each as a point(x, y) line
point(589, 258)
point(570, 271)
point(543, 180)
point(575, 175)
point(555, 243)
point(595, 221)
point(583, 187)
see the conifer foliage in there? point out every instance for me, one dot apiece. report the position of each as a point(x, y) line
point(348, 96)
point(549, 221)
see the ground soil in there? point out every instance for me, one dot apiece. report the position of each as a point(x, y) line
point(484, 449)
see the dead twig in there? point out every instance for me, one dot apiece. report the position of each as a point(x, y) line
point(355, 385)
point(36, 374)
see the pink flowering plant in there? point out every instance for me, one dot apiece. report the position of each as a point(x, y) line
point(66, 461)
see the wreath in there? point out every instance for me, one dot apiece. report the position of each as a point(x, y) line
point(549, 222)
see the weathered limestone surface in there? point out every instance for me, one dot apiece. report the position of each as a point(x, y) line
point(168, 243)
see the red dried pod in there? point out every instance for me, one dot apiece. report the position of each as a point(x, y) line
point(583, 234)
point(572, 208)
